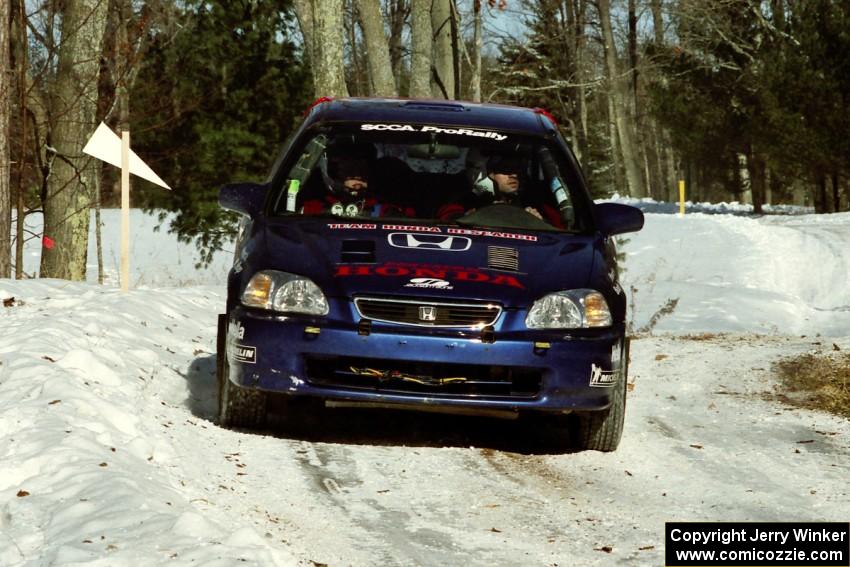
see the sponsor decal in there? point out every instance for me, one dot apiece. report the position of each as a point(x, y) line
point(602, 378)
point(349, 210)
point(351, 226)
point(492, 234)
point(429, 241)
point(438, 272)
point(244, 353)
point(236, 330)
point(434, 129)
point(411, 228)
point(434, 230)
point(432, 283)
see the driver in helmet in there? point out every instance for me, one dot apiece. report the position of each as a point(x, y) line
point(503, 184)
point(346, 173)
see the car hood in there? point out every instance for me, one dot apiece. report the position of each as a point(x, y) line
point(348, 259)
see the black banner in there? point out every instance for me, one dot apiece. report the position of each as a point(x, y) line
point(757, 544)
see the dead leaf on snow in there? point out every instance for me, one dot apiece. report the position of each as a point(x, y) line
point(22, 493)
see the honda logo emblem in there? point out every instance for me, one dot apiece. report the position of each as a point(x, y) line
point(429, 241)
point(427, 313)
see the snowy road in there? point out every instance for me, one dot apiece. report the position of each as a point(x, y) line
point(432, 490)
point(109, 454)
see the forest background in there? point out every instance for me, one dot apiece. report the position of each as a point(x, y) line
point(745, 100)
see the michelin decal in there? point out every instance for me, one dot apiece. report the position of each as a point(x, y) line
point(243, 353)
point(602, 378)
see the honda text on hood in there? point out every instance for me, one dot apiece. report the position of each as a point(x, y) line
point(426, 255)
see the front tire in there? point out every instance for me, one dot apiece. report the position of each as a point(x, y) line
point(237, 407)
point(602, 430)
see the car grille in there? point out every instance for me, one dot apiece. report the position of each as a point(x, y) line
point(431, 378)
point(427, 313)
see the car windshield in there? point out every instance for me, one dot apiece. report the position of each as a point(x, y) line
point(454, 175)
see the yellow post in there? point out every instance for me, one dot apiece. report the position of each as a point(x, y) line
point(681, 197)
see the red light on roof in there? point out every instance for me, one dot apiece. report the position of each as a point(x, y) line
point(547, 114)
point(317, 102)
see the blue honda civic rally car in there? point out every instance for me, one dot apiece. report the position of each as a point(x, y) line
point(430, 255)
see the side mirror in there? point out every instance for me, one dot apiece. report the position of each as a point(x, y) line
point(245, 198)
point(614, 218)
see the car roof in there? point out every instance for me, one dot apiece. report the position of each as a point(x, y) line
point(424, 111)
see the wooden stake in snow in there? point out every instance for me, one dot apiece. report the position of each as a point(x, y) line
point(106, 146)
point(125, 211)
point(681, 197)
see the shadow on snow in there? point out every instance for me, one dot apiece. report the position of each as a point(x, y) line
point(309, 420)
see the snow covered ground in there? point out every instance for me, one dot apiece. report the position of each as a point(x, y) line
point(109, 453)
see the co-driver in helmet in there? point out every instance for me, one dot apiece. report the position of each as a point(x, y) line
point(347, 172)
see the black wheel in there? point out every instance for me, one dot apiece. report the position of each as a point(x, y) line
point(602, 430)
point(237, 407)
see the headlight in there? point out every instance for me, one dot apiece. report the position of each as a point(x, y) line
point(573, 309)
point(287, 293)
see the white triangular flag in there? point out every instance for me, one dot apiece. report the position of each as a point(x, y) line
point(105, 145)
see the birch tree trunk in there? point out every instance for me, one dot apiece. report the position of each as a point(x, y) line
point(576, 15)
point(420, 47)
point(321, 23)
point(616, 155)
point(328, 67)
point(304, 15)
point(358, 76)
point(477, 41)
point(657, 21)
point(618, 93)
point(5, 153)
point(377, 48)
point(663, 147)
point(73, 106)
point(444, 79)
point(21, 60)
point(398, 11)
point(633, 51)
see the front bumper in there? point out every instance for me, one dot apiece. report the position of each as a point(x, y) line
point(396, 364)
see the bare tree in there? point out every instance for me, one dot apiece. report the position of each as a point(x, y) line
point(618, 92)
point(420, 45)
point(321, 23)
point(73, 106)
point(397, 12)
point(657, 21)
point(443, 85)
point(477, 41)
point(304, 14)
point(377, 48)
point(5, 153)
point(18, 37)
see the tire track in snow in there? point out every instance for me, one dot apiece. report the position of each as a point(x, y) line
point(334, 469)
